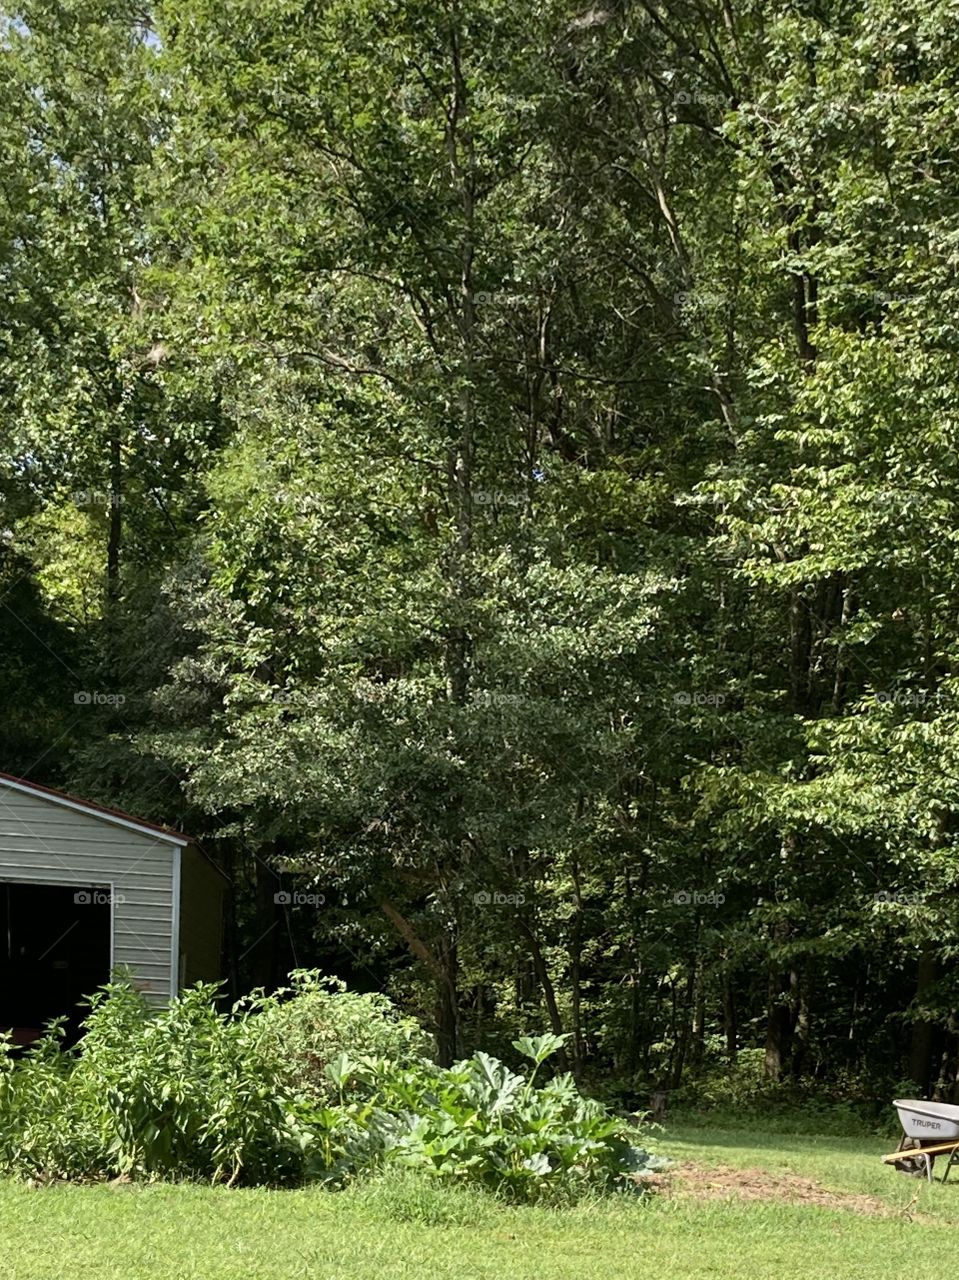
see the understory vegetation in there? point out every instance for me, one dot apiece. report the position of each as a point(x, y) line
point(847, 1103)
point(312, 1084)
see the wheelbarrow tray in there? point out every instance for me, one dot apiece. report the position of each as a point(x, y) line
point(929, 1129)
point(937, 1121)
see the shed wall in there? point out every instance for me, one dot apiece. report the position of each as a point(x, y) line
point(201, 919)
point(45, 842)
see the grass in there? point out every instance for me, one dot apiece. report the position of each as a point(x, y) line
point(847, 1166)
point(405, 1228)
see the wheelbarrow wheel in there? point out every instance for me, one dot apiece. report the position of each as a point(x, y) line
point(914, 1166)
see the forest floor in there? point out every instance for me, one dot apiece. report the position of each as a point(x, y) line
point(738, 1204)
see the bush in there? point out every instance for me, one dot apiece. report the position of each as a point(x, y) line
point(315, 1019)
point(480, 1122)
point(849, 1106)
point(43, 1122)
point(252, 1095)
point(180, 1093)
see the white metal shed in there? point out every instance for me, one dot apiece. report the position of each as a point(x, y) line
point(85, 890)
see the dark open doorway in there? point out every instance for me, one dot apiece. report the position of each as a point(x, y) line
point(54, 950)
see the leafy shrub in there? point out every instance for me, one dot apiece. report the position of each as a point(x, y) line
point(43, 1122)
point(180, 1093)
point(192, 1092)
point(850, 1106)
point(315, 1019)
point(480, 1122)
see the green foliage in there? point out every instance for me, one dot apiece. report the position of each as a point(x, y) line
point(478, 1121)
point(44, 1125)
point(849, 1104)
point(523, 450)
point(194, 1092)
point(184, 1092)
point(308, 1029)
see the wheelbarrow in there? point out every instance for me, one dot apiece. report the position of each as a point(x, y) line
point(929, 1129)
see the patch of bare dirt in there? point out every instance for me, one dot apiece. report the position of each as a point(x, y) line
point(719, 1182)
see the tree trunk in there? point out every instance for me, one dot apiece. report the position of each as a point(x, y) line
point(443, 964)
point(777, 1033)
point(800, 632)
point(921, 1041)
point(635, 980)
point(682, 1044)
point(800, 982)
point(779, 1025)
point(730, 1029)
point(524, 982)
point(546, 986)
point(698, 1031)
point(460, 458)
point(266, 929)
point(575, 977)
point(842, 671)
point(447, 1001)
point(231, 951)
point(115, 519)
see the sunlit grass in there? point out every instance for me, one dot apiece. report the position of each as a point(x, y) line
point(403, 1227)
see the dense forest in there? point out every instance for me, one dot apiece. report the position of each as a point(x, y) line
point(490, 472)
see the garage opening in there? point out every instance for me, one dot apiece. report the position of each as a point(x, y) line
point(54, 950)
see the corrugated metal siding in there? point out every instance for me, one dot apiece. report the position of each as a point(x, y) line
point(41, 840)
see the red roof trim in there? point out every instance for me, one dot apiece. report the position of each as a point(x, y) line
point(96, 809)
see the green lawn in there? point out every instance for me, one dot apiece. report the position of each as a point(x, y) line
point(387, 1232)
